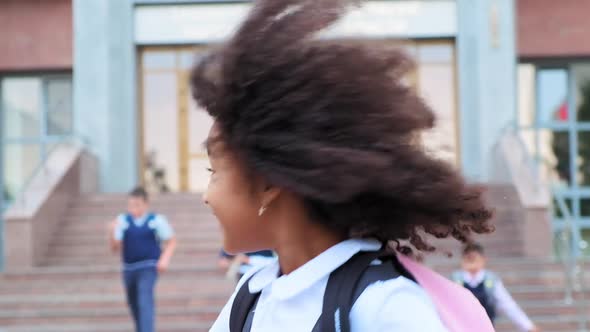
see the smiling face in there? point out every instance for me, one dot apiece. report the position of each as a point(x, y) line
point(235, 197)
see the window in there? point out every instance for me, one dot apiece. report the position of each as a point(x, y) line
point(34, 107)
point(554, 118)
point(21, 107)
point(59, 107)
point(36, 113)
point(552, 94)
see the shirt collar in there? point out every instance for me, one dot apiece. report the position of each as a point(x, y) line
point(474, 280)
point(304, 277)
point(141, 220)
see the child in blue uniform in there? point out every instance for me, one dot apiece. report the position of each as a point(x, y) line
point(488, 288)
point(314, 155)
point(138, 235)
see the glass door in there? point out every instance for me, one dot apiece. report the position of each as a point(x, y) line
point(173, 126)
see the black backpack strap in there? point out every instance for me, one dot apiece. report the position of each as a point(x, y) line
point(372, 274)
point(250, 318)
point(338, 295)
point(242, 308)
point(347, 283)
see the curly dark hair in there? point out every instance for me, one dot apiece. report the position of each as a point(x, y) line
point(332, 122)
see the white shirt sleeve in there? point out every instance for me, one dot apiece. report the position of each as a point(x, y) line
point(508, 306)
point(222, 322)
point(395, 305)
point(120, 227)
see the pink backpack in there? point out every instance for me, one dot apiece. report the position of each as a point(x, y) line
point(457, 307)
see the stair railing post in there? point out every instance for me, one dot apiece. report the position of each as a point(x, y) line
point(1, 189)
point(581, 303)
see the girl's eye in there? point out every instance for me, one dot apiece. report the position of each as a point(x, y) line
point(210, 170)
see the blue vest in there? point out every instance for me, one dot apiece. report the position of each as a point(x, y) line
point(263, 253)
point(484, 297)
point(140, 243)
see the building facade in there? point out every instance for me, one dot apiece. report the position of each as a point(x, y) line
point(123, 92)
point(35, 84)
point(132, 60)
point(112, 75)
point(554, 102)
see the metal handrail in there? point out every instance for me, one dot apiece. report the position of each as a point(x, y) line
point(573, 264)
point(567, 254)
point(40, 167)
point(520, 169)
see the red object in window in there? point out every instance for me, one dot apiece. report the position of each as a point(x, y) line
point(562, 112)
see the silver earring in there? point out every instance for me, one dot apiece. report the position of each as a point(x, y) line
point(261, 211)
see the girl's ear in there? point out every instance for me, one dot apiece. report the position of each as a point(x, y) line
point(269, 194)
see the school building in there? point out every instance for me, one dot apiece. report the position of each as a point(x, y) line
point(507, 78)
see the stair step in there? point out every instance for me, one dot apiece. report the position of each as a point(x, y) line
point(222, 287)
point(545, 323)
point(99, 249)
point(183, 257)
point(187, 217)
point(55, 273)
point(99, 300)
point(79, 229)
point(107, 327)
point(122, 316)
point(99, 240)
point(80, 288)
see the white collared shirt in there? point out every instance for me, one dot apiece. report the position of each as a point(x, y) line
point(504, 302)
point(293, 302)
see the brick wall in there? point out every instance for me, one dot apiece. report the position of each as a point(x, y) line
point(35, 35)
point(553, 28)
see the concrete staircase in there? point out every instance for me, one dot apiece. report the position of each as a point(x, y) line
point(538, 285)
point(79, 287)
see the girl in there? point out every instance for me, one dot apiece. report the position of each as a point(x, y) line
point(313, 155)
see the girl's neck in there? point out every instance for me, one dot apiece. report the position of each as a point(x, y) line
point(298, 239)
point(301, 243)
